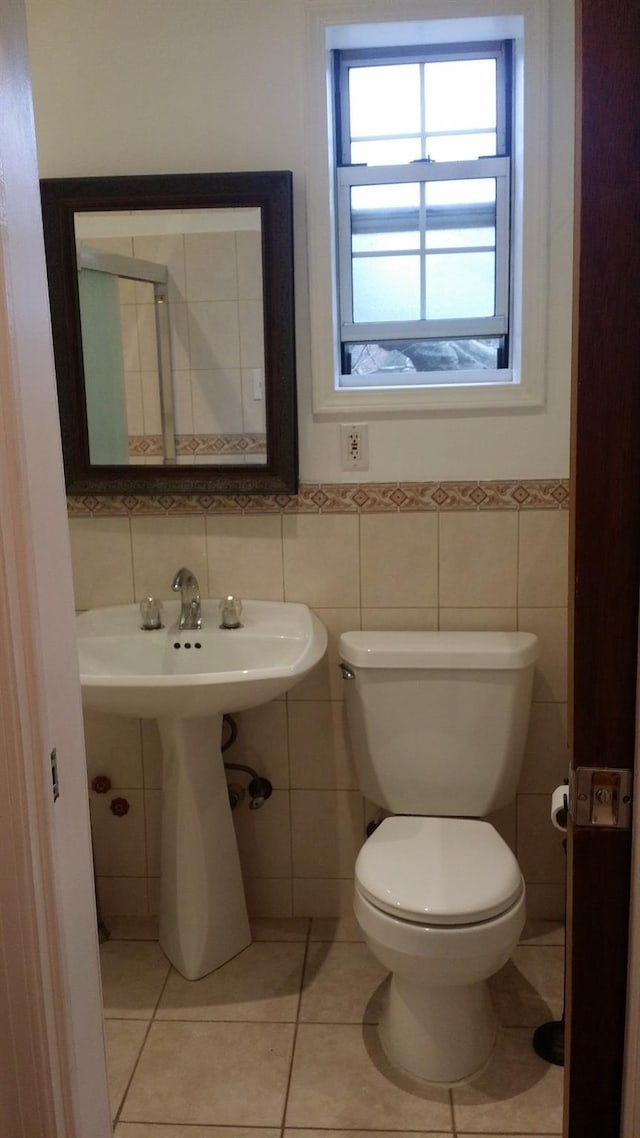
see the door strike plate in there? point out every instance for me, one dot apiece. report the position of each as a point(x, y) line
point(55, 785)
point(601, 797)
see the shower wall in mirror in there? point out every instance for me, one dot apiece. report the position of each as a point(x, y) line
point(172, 337)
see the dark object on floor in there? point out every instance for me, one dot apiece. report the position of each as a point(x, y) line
point(548, 1042)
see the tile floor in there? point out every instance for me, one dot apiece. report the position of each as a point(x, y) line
point(282, 1041)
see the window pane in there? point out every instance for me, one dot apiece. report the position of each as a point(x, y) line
point(461, 215)
point(364, 359)
point(467, 192)
point(386, 288)
point(390, 152)
point(460, 285)
point(405, 195)
point(376, 242)
point(423, 356)
point(384, 100)
point(460, 94)
point(461, 238)
point(461, 147)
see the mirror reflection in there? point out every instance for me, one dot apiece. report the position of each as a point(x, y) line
point(172, 335)
point(172, 311)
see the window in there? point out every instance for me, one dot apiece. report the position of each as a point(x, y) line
point(428, 265)
point(423, 202)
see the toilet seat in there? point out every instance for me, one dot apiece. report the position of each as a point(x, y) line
point(438, 871)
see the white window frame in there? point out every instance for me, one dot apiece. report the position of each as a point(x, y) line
point(368, 23)
point(484, 168)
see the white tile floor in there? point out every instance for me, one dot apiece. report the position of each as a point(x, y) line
point(282, 1040)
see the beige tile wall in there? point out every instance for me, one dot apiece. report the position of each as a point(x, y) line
point(494, 569)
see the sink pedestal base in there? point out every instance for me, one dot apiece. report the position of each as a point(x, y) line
point(203, 915)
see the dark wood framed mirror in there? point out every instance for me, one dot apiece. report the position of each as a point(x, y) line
point(172, 310)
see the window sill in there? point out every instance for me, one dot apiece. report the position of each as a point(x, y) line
point(459, 394)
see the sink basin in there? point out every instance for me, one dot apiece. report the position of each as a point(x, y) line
point(188, 681)
point(126, 670)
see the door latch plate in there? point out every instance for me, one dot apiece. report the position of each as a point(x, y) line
point(55, 785)
point(601, 797)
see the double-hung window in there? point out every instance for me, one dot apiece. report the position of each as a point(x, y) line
point(422, 205)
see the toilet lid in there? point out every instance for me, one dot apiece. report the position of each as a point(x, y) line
point(441, 871)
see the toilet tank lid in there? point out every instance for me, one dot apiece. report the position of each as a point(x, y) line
point(438, 649)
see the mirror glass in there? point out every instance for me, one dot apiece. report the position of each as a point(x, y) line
point(172, 335)
point(172, 313)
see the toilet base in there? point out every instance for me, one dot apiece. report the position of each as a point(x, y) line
point(438, 1035)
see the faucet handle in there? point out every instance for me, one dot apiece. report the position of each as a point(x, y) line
point(230, 612)
point(151, 613)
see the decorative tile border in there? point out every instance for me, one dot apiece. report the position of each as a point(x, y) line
point(340, 498)
point(151, 446)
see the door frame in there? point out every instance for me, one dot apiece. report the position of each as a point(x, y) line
point(51, 1037)
point(605, 481)
point(37, 1094)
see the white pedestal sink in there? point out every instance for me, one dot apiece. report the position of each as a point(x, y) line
point(187, 680)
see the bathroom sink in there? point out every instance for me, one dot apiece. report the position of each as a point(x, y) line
point(126, 670)
point(187, 681)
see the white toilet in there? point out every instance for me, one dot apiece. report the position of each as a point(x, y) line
point(438, 722)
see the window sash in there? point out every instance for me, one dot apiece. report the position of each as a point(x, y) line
point(346, 60)
point(349, 177)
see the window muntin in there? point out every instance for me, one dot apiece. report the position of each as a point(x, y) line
point(423, 226)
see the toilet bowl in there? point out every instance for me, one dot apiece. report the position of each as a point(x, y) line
point(441, 904)
point(438, 723)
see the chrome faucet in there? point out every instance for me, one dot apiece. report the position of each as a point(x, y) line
point(185, 583)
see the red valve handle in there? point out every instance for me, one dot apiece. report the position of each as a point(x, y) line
point(101, 784)
point(119, 807)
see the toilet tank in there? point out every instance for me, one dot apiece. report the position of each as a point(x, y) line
point(438, 720)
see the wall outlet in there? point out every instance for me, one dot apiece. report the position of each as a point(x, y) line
point(354, 446)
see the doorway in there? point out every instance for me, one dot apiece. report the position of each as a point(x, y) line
point(610, 447)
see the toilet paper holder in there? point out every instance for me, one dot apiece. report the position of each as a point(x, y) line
point(601, 797)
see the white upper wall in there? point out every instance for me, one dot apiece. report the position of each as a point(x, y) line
point(150, 86)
